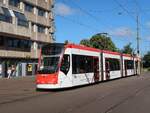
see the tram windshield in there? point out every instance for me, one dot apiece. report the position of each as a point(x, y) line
point(50, 57)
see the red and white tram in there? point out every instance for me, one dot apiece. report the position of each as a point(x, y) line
point(63, 66)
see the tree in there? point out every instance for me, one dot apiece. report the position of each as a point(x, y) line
point(66, 42)
point(100, 41)
point(85, 42)
point(127, 49)
point(146, 60)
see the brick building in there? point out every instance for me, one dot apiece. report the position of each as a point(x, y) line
point(25, 25)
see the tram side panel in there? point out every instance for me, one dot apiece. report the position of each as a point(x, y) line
point(128, 66)
point(85, 67)
point(111, 66)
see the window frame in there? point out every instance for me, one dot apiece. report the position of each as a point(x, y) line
point(129, 64)
point(19, 46)
point(82, 64)
point(2, 41)
point(29, 7)
point(41, 29)
point(6, 16)
point(114, 64)
point(14, 3)
point(21, 19)
point(41, 12)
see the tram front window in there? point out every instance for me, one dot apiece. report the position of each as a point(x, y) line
point(48, 65)
point(50, 57)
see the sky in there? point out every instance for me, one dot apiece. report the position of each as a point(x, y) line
point(81, 19)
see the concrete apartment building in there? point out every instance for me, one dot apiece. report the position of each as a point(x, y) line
point(25, 25)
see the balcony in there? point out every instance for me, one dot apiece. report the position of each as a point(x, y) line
point(13, 29)
point(30, 16)
point(52, 30)
point(43, 4)
point(30, 1)
point(43, 20)
point(15, 54)
point(51, 16)
point(41, 37)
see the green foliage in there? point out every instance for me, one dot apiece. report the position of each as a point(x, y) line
point(146, 60)
point(127, 49)
point(66, 42)
point(100, 41)
point(85, 42)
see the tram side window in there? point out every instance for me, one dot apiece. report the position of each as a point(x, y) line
point(65, 65)
point(89, 64)
point(82, 64)
point(114, 64)
point(129, 64)
point(78, 64)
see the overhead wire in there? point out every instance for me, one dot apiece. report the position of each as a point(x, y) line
point(79, 23)
point(90, 15)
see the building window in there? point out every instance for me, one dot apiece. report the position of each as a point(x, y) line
point(1, 41)
point(10, 43)
point(41, 12)
point(28, 8)
point(22, 20)
point(14, 2)
point(41, 29)
point(5, 15)
point(18, 44)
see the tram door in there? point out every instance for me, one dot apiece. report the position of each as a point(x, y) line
point(125, 65)
point(96, 69)
point(107, 70)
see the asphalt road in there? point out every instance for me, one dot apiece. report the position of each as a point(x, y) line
point(127, 95)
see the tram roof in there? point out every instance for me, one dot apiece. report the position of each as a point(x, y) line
point(82, 47)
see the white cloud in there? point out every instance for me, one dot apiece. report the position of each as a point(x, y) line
point(63, 9)
point(122, 32)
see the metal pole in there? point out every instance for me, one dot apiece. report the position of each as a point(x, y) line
point(138, 39)
point(138, 43)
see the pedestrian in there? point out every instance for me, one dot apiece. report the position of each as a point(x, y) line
point(9, 72)
point(13, 71)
